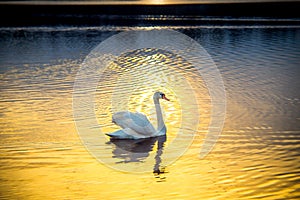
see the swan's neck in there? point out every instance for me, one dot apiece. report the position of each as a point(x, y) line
point(160, 121)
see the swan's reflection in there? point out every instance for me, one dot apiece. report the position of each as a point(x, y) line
point(139, 150)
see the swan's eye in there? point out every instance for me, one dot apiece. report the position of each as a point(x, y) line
point(162, 95)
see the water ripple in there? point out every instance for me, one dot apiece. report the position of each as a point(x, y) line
point(257, 155)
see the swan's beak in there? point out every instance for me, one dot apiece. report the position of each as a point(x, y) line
point(165, 98)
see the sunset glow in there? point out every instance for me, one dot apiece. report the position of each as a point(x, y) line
point(135, 2)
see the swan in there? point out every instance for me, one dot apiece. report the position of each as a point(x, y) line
point(136, 125)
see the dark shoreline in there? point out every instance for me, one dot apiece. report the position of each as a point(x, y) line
point(13, 15)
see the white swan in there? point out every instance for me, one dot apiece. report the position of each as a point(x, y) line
point(136, 125)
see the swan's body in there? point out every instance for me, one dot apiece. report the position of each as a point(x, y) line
point(136, 125)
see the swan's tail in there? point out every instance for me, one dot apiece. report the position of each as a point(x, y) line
point(120, 134)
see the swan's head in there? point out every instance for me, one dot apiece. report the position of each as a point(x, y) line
point(160, 95)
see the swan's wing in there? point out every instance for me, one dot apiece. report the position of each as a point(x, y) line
point(137, 122)
point(142, 118)
point(121, 118)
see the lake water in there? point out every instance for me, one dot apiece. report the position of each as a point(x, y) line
point(255, 157)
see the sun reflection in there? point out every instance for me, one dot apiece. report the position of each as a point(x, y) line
point(159, 2)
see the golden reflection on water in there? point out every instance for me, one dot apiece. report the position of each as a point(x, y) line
point(42, 157)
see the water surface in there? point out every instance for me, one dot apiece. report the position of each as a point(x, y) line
point(256, 156)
